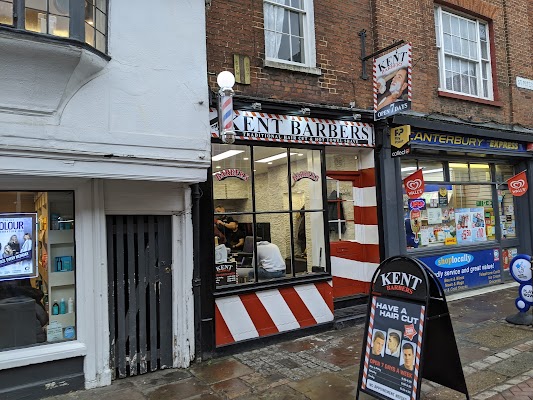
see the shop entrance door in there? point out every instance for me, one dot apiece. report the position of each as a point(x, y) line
point(348, 223)
point(140, 293)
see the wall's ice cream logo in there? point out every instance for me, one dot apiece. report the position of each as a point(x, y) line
point(414, 184)
point(518, 184)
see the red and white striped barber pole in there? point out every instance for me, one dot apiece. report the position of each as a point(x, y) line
point(226, 113)
point(418, 351)
point(226, 80)
point(369, 340)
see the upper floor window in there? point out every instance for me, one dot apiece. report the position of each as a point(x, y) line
point(82, 20)
point(464, 54)
point(289, 32)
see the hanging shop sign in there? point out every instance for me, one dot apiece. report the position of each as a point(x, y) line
point(414, 184)
point(250, 125)
point(398, 338)
point(459, 271)
point(392, 82)
point(18, 258)
point(231, 173)
point(467, 142)
point(399, 140)
point(518, 184)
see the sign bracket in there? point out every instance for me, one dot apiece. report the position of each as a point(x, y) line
point(364, 57)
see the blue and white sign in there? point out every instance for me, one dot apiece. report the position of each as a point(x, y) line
point(466, 270)
point(521, 272)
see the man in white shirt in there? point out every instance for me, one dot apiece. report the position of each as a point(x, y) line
point(270, 262)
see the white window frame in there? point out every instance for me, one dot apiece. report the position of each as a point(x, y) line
point(308, 29)
point(439, 32)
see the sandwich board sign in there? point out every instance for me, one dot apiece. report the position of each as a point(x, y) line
point(407, 322)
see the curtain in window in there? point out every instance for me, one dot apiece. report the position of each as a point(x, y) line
point(274, 17)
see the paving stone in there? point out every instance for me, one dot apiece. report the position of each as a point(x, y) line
point(491, 360)
point(232, 388)
point(283, 392)
point(495, 337)
point(220, 370)
point(513, 366)
point(482, 380)
point(179, 390)
point(326, 386)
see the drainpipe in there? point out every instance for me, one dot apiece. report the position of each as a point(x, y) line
point(196, 279)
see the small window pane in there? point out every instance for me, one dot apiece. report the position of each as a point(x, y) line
point(507, 216)
point(58, 25)
point(408, 167)
point(101, 4)
point(89, 34)
point(484, 52)
point(503, 173)
point(100, 21)
point(6, 13)
point(459, 172)
point(297, 50)
point(100, 42)
point(306, 179)
point(286, 21)
point(35, 21)
point(274, 254)
point(464, 28)
point(59, 7)
point(36, 4)
point(479, 173)
point(473, 86)
point(295, 24)
point(432, 171)
point(270, 170)
point(284, 52)
point(473, 49)
point(447, 42)
point(472, 31)
point(449, 80)
point(446, 23)
point(465, 47)
point(485, 88)
point(482, 32)
point(454, 25)
point(456, 45)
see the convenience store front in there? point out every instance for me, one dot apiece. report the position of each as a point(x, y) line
point(466, 225)
point(293, 225)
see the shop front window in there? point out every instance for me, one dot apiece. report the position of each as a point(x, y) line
point(449, 213)
point(37, 268)
point(268, 213)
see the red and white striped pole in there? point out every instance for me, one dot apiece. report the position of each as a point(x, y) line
point(226, 80)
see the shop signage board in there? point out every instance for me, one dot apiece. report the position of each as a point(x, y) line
point(250, 125)
point(17, 236)
point(399, 140)
point(408, 322)
point(226, 273)
point(392, 82)
point(465, 270)
point(466, 142)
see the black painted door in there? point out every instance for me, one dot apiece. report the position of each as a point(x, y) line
point(140, 293)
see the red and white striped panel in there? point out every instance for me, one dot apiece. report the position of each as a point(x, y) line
point(353, 272)
point(268, 312)
point(418, 351)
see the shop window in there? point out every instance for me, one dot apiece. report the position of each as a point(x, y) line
point(276, 230)
point(450, 213)
point(503, 173)
point(432, 171)
point(463, 45)
point(37, 274)
point(53, 17)
point(289, 33)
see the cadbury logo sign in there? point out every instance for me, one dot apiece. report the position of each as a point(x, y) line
point(231, 173)
point(305, 175)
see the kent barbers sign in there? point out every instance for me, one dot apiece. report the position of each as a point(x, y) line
point(292, 129)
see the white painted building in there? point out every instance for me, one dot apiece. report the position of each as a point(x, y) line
point(103, 114)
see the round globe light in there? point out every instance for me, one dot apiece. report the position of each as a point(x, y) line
point(225, 79)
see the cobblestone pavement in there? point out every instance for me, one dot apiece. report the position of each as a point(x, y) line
point(497, 360)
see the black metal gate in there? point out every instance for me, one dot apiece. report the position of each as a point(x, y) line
point(140, 293)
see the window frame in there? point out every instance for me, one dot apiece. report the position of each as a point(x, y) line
point(479, 61)
point(288, 280)
point(77, 22)
point(308, 35)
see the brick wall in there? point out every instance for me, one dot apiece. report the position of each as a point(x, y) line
point(236, 27)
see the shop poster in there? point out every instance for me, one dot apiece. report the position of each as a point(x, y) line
point(392, 82)
point(470, 225)
point(458, 271)
point(17, 258)
point(392, 355)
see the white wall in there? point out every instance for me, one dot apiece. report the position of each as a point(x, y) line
point(146, 110)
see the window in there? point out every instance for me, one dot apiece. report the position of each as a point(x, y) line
point(85, 21)
point(269, 213)
point(462, 204)
point(37, 278)
point(464, 54)
point(289, 32)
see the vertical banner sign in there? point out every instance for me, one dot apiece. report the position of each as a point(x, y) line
point(392, 82)
point(414, 184)
point(17, 258)
point(399, 140)
point(397, 332)
point(518, 184)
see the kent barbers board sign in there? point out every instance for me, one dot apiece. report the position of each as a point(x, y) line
point(398, 336)
point(392, 82)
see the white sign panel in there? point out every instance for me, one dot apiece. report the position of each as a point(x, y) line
point(524, 83)
point(17, 258)
point(392, 82)
point(292, 129)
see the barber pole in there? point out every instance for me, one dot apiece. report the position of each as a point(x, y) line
point(226, 112)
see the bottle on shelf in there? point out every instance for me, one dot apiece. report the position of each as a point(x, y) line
point(70, 305)
point(62, 307)
point(55, 308)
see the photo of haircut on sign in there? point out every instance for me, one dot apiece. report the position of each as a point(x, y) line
point(395, 333)
point(392, 82)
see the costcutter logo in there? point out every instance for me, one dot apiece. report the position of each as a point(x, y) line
point(231, 173)
point(454, 260)
point(518, 184)
point(414, 184)
point(297, 176)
